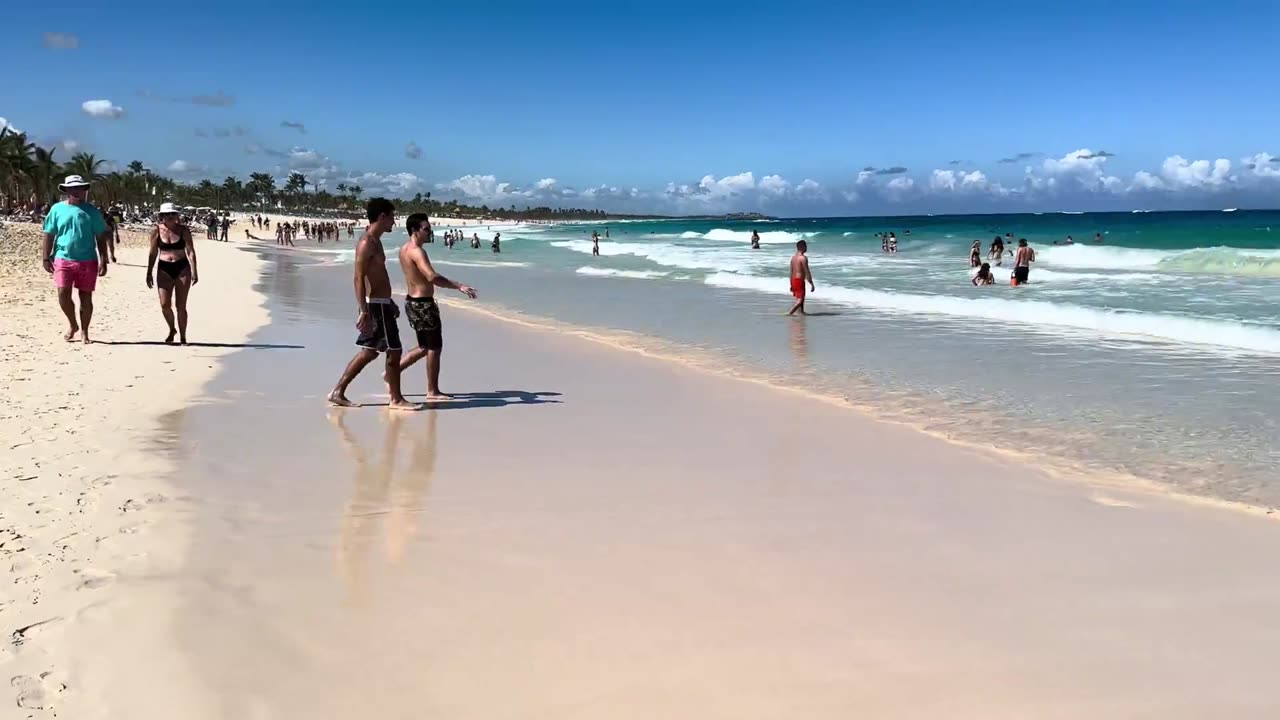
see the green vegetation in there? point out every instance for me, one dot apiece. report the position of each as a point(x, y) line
point(29, 174)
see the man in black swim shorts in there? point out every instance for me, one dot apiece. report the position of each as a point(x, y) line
point(421, 281)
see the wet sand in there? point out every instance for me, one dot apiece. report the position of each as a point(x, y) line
point(594, 533)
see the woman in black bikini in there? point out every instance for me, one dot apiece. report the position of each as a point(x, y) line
point(173, 255)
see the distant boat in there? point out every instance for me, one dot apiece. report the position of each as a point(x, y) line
point(1139, 211)
point(1071, 212)
point(1230, 209)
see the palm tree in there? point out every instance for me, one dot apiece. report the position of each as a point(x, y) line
point(85, 165)
point(137, 168)
point(44, 178)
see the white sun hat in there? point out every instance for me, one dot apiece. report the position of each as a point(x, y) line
point(169, 209)
point(73, 181)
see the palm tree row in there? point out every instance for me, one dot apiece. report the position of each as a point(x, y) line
point(30, 174)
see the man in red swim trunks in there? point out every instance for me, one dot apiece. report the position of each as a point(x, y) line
point(799, 276)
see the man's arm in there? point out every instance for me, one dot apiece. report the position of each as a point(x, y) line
point(423, 263)
point(46, 252)
point(808, 274)
point(362, 260)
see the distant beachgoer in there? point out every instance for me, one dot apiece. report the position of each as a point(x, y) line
point(1097, 239)
point(497, 242)
point(212, 223)
point(421, 281)
point(884, 242)
point(115, 218)
point(595, 243)
point(800, 274)
point(997, 250)
point(74, 252)
point(983, 276)
point(376, 320)
point(893, 243)
point(1068, 241)
point(606, 232)
point(279, 234)
point(1022, 260)
point(351, 230)
point(475, 241)
point(173, 255)
point(975, 254)
point(755, 240)
point(112, 234)
point(226, 227)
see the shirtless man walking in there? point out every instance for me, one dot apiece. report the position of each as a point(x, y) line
point(421, 281)
point(376, 321)
point(799, 275)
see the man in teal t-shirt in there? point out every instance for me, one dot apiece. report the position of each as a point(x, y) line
point(75, 252)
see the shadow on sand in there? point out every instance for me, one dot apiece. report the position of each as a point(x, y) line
point(246, 346)
point(495, 399)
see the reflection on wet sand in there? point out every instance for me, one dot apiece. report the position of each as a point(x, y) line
point(800, 340)
point(382, 497)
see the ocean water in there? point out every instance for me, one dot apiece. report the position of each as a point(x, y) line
point(1155, 353)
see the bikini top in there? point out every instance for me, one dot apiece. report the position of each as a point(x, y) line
point(179, 245)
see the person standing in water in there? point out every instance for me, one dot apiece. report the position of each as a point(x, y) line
point(1022, 260)
point(755, 240)
point(173, 255)
point(1097, 239)
point(800, 274)
point(376, 319)
point(497, 242)
point(421, 281)
point(997, 250)
point(595, 243)
point(975, 254)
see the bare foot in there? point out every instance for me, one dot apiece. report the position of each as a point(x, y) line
point(403, 404)
point(70, 335)
point(182, 340)
point(437, 395)
point(337, 399)
point(169, 340)
point(87, 341)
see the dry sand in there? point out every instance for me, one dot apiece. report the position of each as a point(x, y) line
point(88, 519)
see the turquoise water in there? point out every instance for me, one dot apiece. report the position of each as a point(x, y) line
point(1154, 353)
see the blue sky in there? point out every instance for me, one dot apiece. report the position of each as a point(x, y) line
point(676, 107)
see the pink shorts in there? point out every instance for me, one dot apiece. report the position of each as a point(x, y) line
point(79, 274)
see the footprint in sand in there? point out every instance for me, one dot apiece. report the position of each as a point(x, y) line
point(91, 579)
point(36, 693)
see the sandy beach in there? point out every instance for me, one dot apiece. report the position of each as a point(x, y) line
point(585, 532)
point(90, 518)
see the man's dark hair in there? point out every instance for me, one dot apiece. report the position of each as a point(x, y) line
point(802, 245)
point(1022, 242)
point(416, 221)
point(377, 206)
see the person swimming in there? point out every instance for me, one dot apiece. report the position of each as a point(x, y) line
point(983, 276)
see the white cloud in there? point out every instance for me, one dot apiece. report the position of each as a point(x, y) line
point(1143, 180)
point(102, 109)
point(182, 167)
point(901, 184)
point(1178, 172)
point(545, 184)
point(69, 145)
point(727, 186)
point(5, 124)
point(809, 187)
point(1084, 166)
point(1263, 165)
point(61, 41)
point(395, 184)
point(774, 185)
